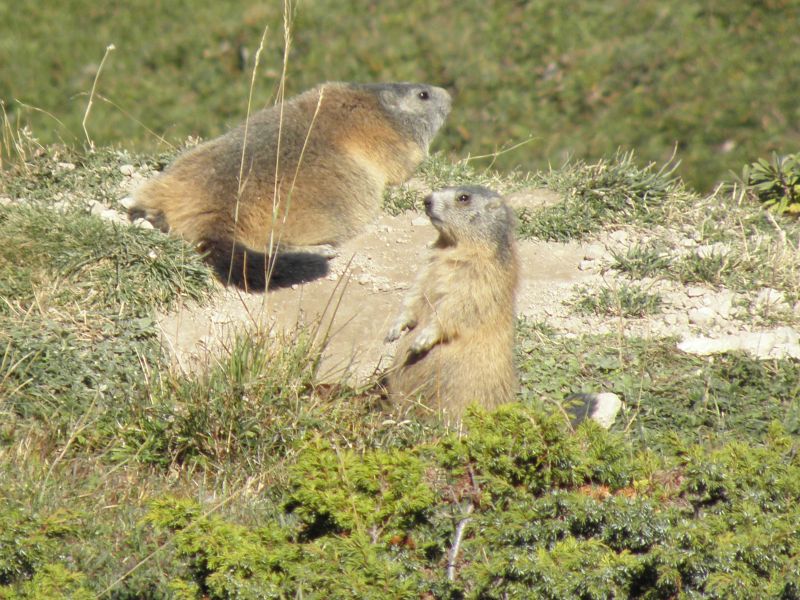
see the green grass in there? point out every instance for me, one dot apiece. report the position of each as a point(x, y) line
point(575, 83)
point(624, 300)
point(596, 195)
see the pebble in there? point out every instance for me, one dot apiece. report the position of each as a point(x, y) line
point(127, 202)
point(703, 316)
point(420, 221)
point(127, 170)
point(142, 223)
point(695, 291)
point(594, 252)
point(769, 297)
point(620, 236)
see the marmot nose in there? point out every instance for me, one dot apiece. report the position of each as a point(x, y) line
point(428, 201)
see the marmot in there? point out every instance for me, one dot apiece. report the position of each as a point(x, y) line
point(460, 313)
point(311, 173)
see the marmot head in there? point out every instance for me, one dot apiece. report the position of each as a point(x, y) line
point(418, 109)
point(471, 214)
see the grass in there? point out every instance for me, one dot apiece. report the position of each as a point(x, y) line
point(566, 84)
point(123, 477)
point(625, 300)
point(596, 195)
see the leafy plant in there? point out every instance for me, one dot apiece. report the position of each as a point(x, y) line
point(776, 183)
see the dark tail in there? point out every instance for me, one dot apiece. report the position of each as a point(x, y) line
point(251, 271)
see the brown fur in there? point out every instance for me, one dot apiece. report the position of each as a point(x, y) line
point(339, 145)
point(460, 314)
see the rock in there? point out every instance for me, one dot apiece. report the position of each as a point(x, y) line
point(769, 297)
point(722, 303)
point(602, 408)
point(688, 243)
point(110, 214)
point(127, 202)
point(695, 291)
point(96, 208)
point(586, 265)
point(533, 198)
point(620, 236)
point(671, 319)
point(142, 223)
point(66, 166)
point(594, 252)
point(127, 170)
point(782, 342)
point(420, 221)
point(703, 316)
point(5, 201)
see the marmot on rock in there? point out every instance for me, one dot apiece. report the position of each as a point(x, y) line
point(460, 313)
point(309, 172)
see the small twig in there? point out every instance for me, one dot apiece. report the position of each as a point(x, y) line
point(109, 48)
point(453, 556)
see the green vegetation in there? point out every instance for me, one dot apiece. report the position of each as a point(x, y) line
point(625, 300)
point(122, 477)
point(776, 184)
point(570, 81)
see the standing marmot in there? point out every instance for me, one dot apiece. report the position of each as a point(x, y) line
point(311, 172)
point(461, 311)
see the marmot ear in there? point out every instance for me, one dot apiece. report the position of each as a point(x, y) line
point(387, 97)
point(495, 203)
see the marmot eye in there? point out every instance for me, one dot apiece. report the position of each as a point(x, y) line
point(423, 95)
point(463, 198)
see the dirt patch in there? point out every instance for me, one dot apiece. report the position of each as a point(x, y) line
point(354, 305)
point(360, 297)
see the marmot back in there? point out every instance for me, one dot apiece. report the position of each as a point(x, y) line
point(460, 313)
point(310, 172)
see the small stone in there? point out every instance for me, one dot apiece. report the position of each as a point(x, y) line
point(602, 408)
point(5, 201)
point(594, 252)
point(620, 236)
point(142, 223)
point(96, 208)
point(127, 170)
point(703, 316)
point(127, 202)
point(586, 265)
point(671, 319)
point(420, 221)
point(66, 166)
point(722, 303)
point(688, 243)
point(695, 291)
point(109, 214)
point(703, 346)
point(769, 297)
